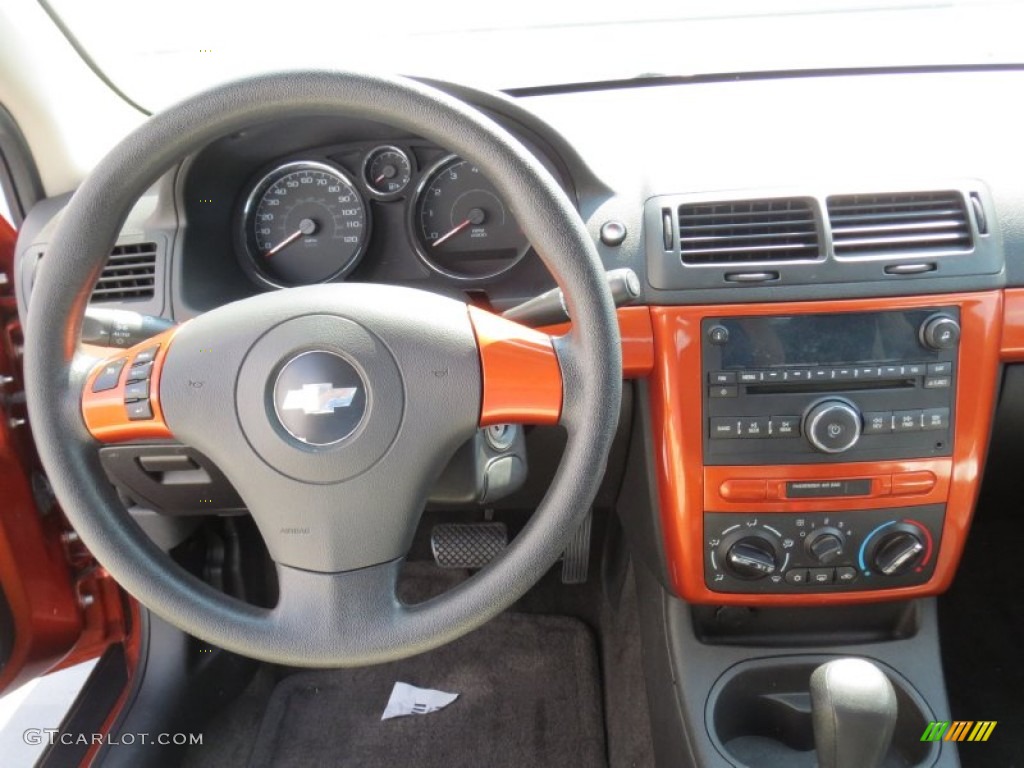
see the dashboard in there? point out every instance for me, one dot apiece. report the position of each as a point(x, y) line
point(831, 287)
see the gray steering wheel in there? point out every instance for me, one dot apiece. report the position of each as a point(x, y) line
point(408, 377)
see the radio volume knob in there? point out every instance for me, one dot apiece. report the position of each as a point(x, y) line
point(940, 332)
point(833, 426)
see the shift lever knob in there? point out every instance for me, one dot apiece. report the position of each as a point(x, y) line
point(853, 708)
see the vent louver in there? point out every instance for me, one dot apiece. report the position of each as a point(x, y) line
point(740, 231)
point(130, 273)
point(899, 223)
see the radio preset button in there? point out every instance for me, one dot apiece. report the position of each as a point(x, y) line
point(914, 369)
point(723, 390)
point(877, 422)
point(798, 374)
point(773, 376)
point(891, 371)
point(906, 421)
point(867, 372)
point(821, 374)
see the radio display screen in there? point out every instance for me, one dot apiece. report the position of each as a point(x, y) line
point(826, 339)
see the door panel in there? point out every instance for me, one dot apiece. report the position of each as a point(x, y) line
point(57, 607)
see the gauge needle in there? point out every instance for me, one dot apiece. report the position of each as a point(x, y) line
point(306, 227)
point(476, 218)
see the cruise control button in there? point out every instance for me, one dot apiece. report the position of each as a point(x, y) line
point(845, 574)
point(722, 377)
point(821, 575)
point(877, 422)
point(937, 382)
point(796, 576)
point(724, 390)
point(139, 372)
point(138, 390)
point(906, 421)
point(140, 409)
point(940, 369)
point(785, 426)
point(146, 356)
point(935, 418)
point(755, 427)
point(109, 376)
point(724, 428)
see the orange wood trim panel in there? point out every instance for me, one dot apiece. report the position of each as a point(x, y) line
point(1012, 344)
point(677, 389)
point(637, 340)
point(104, 412)
point(522, 380)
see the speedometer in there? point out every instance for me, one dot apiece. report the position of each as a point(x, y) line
point(303, 223)
point(461, 226)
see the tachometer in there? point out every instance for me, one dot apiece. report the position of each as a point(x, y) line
point(303, 223)
point(460, 225)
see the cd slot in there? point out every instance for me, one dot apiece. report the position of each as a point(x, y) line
point(812, 388)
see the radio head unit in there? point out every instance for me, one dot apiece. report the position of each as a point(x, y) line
point(810, 388)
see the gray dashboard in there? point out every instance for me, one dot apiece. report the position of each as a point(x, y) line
point(622, 152)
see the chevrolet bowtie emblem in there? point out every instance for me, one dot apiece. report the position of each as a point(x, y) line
point(313, 399)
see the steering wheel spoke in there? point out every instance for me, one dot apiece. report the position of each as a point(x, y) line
point(522, 379)
point(121, 394)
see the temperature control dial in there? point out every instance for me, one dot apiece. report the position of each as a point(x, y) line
point(833, 426)
point(898, 551)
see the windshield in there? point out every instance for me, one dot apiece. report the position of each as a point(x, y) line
point(159, 53)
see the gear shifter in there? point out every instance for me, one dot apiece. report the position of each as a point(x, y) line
point(853, 708)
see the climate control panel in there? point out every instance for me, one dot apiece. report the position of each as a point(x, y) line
point(786, 553)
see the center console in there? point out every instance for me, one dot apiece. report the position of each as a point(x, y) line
point(805, 452)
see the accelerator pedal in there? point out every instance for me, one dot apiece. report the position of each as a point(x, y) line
point(467, 545)
point(576, 560)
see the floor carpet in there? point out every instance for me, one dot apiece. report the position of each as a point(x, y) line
point(529, 695)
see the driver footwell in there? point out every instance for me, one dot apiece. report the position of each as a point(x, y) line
point(529, 694)
point(529, 690)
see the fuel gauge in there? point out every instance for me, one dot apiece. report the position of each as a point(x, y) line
point(387, 171)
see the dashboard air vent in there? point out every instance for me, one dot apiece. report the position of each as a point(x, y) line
point(740, 231)
point(899, 223)
point(130, 273)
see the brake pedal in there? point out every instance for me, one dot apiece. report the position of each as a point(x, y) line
point(467, 545)
point(576, 560)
